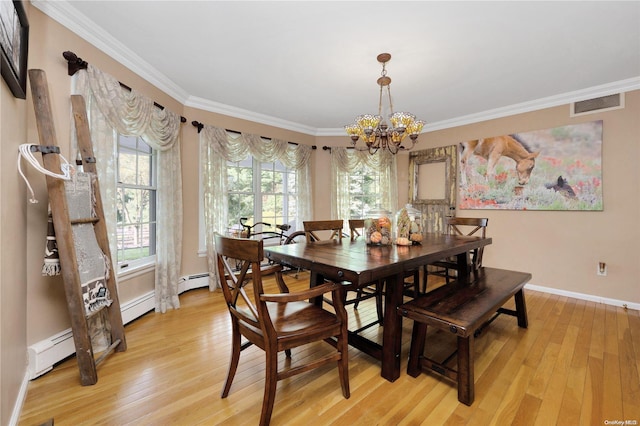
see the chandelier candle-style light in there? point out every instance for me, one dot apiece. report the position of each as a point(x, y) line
point(375, 132)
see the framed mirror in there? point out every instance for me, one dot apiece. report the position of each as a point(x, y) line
point(433, 183)
point(433, 176)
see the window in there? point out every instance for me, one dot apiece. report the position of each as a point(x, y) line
point(136, 203)
point(262, 192)
point(365, 188)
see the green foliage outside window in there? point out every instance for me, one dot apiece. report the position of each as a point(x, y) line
point(136, 200)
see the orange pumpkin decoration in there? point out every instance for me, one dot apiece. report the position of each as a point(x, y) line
point(416, 237)
point(384, 222)
point(376, 237)
point(401, 241)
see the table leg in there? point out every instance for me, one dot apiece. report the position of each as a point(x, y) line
point(392, 329)
point(463, 265)
point(314, 280)
point(521, 309)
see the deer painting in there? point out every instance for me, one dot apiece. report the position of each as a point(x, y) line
point(492, 149)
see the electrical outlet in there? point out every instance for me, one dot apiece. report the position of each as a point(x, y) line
point(601, 269)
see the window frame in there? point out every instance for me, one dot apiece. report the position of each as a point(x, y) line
point(128, 267)
point(259, 168)
point(362, 172)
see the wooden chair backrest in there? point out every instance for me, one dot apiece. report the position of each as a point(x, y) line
point(355, 227)
point(312, 227)
point(249, 253)
point(470, 226)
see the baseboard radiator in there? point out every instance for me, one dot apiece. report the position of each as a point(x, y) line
point(43, 355)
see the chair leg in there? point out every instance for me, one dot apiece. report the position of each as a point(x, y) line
point(235, 357)
point(416, 283)
point(270, 383)
point(425, 277)
point(343, 363)
point(358, 296)
point(379, 308)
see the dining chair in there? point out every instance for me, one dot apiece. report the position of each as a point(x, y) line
point(465, 226)
point(312, 229)
point(277, 322)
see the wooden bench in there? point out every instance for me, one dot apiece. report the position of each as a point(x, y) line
point(463, 309)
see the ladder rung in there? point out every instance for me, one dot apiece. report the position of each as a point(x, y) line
point(84, 220)
point(108, 351)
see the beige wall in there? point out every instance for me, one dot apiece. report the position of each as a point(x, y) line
point(561, 249)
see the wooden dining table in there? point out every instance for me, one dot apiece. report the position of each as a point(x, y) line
point(359, 264)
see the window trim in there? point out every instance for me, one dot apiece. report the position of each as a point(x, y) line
point(256, 166)
point(365, 170)
point(127, 269)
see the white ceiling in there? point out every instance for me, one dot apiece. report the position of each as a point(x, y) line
point(311, 66)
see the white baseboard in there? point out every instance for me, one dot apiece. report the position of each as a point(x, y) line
point(44, 354)
point(21, 397)
point(582, 296)
point(138, 307)
point(192, 281)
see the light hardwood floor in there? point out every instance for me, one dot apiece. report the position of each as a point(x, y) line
point(576, 364)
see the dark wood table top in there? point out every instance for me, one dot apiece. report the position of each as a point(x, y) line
point(359, 263)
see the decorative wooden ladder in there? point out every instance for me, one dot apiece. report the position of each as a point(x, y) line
point(63, 228)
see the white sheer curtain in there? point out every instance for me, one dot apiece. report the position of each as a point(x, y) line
point(217, 146)
point(344, 161)
point(113, 110)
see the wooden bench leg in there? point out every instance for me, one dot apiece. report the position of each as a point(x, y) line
point(466, 392)
point(417, 348)
point(521, 309)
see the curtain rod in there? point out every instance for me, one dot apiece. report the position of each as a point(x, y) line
point(328, 148)
point(199, 125)
point(74, 64)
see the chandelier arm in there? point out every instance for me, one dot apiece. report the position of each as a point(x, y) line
point(393, 148)
point(413, 143)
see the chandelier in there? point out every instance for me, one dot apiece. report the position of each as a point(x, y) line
point(374, 130)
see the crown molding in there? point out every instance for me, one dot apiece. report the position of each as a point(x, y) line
point(78, 23)
point(231, 111)
point(538, 104)
point(68, 16)
point(535, 105)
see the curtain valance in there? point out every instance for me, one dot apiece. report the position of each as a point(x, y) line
point(113, 110)
point(217, 147)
